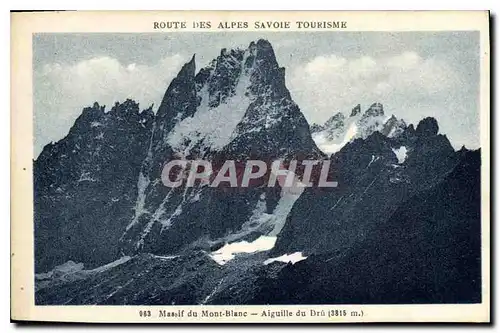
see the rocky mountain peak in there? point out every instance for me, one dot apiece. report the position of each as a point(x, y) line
point(127, 111)
point(339, 130)
point(339, 116)
point(269, 73)
point(314, 128)
point(356, 110)
point(99, 198)
point(427, 127)
point(375, 110)
point(334, 125)
point(236, 108)
point(393, 127)
point(91, 113)
point(188, 70)
point(96, 165)
point(242, 94)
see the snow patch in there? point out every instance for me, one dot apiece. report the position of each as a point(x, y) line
point(196, 196)
point(156, 216)
point(401, 154)
point(374, 159)
point(285, 205)
point(85, 177)
point(213, 292)
point(276, 220)
point(165, 257)
point(287, 258)
point(61, 270)
point(168, 222)
point(115, 263)
point(213, 126)
point(228, 251)
point(142, 185)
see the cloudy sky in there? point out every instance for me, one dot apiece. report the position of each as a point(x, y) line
point(414, 74)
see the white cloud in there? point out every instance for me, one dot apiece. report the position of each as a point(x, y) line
point(63, 90)
point(409, 85)
point(334, 83)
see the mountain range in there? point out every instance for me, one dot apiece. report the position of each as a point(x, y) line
point(403, 226)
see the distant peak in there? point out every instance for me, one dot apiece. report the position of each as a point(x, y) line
point(394, 127)
point(264, 51)
point(338, 117)
point(264, 43)
point(127, 108)
point(261, 43)
point(376, 109)
point(96, 111)
point(189, 68)
point(427, 127)
point(98, 107)
point(355, 110)
point(180, 91)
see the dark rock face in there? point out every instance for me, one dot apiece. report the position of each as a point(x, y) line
point(146, 279)
point(427, 251)
point(180, 99)
point(85, 186)
point(372, 184)
point(273, 125)
point(356, 110)
point(163, 280)
point(421, 254)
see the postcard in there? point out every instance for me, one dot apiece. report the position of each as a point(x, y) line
point(250, 167)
